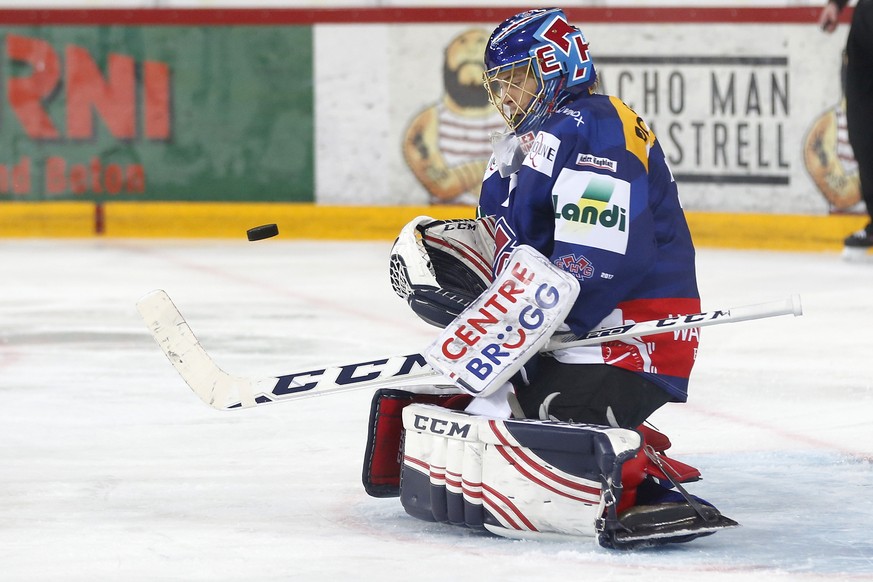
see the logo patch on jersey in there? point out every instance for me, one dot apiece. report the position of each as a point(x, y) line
point(526, 140)
point(578, 266)
point(596, 162)
point(577, 115)
point(542, 153)
point(598, 217)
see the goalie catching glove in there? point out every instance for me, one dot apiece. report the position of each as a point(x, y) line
point(440, 266)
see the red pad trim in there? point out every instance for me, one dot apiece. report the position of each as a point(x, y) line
point(657, 440)
point(679, 471)
point(382, 458)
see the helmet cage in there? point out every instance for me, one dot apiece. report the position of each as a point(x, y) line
point(542, 45)
point(511, 90)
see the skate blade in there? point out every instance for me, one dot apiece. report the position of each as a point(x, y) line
point(857, 255)
point(668, 523)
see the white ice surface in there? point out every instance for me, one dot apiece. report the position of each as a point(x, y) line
point(111, 469)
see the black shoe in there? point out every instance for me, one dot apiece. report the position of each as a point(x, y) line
point(861, 239)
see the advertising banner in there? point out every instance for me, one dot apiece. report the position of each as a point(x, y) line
point(149, 113)
point(384, 108)
point(749, 119)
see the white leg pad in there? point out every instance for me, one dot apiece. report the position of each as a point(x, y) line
point(516, 478)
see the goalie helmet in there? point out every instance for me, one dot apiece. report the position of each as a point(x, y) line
point(536, 61)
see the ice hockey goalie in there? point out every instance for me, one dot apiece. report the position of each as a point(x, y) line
point(513, 475)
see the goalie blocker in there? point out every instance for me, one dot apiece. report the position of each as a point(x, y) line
point(529, 478)
point(488, 342)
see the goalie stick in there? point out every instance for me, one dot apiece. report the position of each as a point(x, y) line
point(224, 391)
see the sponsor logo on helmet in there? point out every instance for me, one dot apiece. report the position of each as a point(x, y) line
point(565, 51)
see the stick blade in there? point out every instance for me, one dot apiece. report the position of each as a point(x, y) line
point(213, 385)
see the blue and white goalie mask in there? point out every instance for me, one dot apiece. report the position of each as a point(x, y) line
point(535, 62)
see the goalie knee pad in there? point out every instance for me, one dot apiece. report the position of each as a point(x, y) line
point(440, 266)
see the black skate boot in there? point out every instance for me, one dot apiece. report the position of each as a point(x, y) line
point(858, 243)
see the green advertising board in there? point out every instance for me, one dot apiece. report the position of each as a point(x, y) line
point(152, 113)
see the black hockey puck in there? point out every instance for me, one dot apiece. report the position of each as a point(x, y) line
point(262, 232)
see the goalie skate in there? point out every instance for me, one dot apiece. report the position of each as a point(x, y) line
point(666, 523)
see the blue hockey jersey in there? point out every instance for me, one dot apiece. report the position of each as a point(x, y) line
point(595, 195)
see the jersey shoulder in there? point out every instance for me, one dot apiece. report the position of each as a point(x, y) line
point(606, 121)
point(582, 115)
point(599, 117)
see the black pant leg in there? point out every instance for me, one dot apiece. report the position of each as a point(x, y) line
point(859, 95)
point(591, 393)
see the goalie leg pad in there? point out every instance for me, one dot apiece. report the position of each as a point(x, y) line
point(381, 473)
point(440, 478)
point(534, 479)
point(515, 478)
